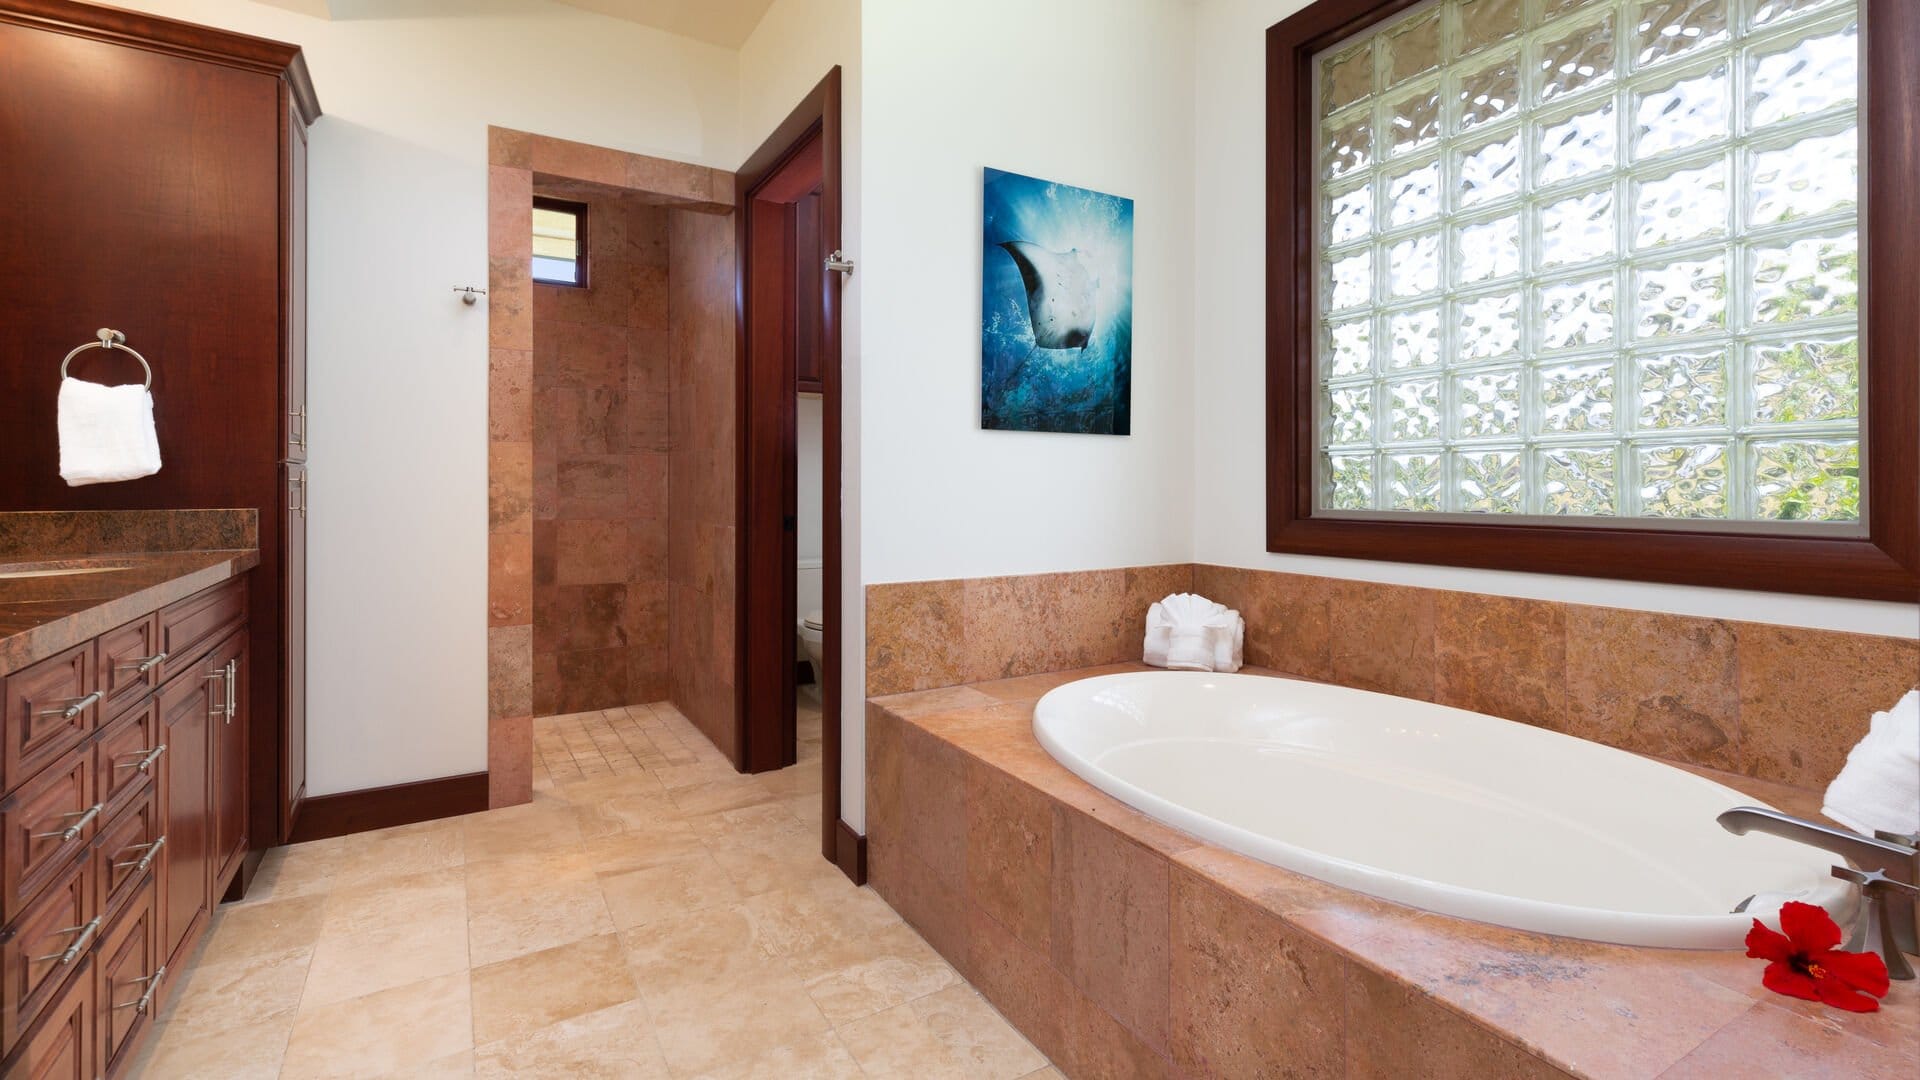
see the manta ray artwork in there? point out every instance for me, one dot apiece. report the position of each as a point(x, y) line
point(1056, 307)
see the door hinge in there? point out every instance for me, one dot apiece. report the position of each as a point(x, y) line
point(837, 260)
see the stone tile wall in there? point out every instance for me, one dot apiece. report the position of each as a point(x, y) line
point(516, 160)
point(701, 487)
point(1779, 703)
point(601, 392)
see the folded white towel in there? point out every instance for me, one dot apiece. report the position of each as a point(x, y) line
point(106, 433)
point(1186, 632)
point(1879, 786)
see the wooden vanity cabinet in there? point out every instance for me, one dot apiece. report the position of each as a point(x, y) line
point(114, 851)
point(186, 802)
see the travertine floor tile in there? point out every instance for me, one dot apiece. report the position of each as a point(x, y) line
point(819, 1057)
point(520, 996)
point(238, 1053)
point(259, 931)
point(422, 935)
point(614, 1043)
point(953, 1033)
point(671, 888)
point(258, 991)
point(386, 1032)
point(651, 914)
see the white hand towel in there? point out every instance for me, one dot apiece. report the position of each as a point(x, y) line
point(1879, 786)
point(1229, 642)
point(1192, 633)
point(106, 433)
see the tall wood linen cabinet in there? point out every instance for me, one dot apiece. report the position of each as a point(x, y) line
point(153, 180)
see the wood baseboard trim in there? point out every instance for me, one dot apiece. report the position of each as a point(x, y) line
point(850, 852)
point(322, 816)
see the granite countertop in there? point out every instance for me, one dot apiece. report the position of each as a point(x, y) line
point(76, 575)
point(1588, 1008)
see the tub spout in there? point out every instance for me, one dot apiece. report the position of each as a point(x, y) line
point(1884, 854)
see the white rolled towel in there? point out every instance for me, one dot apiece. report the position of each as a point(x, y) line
point(1186, 632)
point(1879, 786)
point(106, 433)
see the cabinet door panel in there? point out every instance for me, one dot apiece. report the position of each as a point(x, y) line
point(186, 718)
point(42, 826)
point(61, 1048)
point(128, 849)
point(126, 755)
point(127, 973)
point(131, 663)
point(49, 709)
point(229, 760)
point(293, 733)
point(44, 947)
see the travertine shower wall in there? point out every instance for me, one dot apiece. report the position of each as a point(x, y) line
point(701, 507)
point(601, 439)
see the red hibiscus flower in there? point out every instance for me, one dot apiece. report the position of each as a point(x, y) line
point(1805, 964)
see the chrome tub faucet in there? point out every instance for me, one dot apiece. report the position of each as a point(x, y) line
point(1886, 866)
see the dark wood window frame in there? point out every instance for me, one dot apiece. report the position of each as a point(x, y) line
point(579, 212)
point(1884, 564)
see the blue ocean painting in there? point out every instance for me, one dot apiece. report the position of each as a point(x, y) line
point(1056, 307)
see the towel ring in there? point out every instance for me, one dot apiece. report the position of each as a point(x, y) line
point(109, 339)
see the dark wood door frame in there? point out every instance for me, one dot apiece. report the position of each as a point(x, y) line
point(766, 405)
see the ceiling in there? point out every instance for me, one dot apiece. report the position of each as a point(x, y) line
point(719, 22)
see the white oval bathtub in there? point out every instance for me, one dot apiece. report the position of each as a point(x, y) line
point(1439, 808)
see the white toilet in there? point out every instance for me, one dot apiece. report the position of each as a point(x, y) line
point(812, 625)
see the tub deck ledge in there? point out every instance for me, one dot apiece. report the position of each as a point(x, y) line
point(1123, 946)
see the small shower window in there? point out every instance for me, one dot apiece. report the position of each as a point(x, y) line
point(560, 243)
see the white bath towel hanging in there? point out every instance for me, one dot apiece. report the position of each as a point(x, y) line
point(1879, 786)
point(106, 433)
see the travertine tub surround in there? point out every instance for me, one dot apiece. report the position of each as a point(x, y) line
point(516, 160)
point(1124, 948)
point(1779, 703)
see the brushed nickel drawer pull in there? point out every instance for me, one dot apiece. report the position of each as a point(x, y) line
point(146, 999)
point(146, 759)
point(86, 816)
point(74, 708)
point(233, 675)
point(79, 944)
point(140, 864)
point(144, 664)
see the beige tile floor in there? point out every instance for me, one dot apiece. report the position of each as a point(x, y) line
point(651, 913)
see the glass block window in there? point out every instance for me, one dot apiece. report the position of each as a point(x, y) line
point(559, 242)
point(1592, 259)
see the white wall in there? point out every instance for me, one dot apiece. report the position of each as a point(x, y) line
point(1230, 354)
point(808, 466)
point(1096, 93)
point(398, 368)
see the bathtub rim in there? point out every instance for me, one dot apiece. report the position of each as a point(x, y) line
point(1632, 929)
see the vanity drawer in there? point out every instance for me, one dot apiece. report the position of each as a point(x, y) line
point(127, 971)
point(42, 825)
point(127, 755)
point(131, 663)
point(47, 943)
point(129, 846)
point(190, 627)
point(50, 707)
point(61, 1048)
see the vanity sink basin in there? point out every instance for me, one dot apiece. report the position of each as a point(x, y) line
point(12, 571)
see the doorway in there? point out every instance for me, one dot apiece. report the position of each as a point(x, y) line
point(789, 345)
